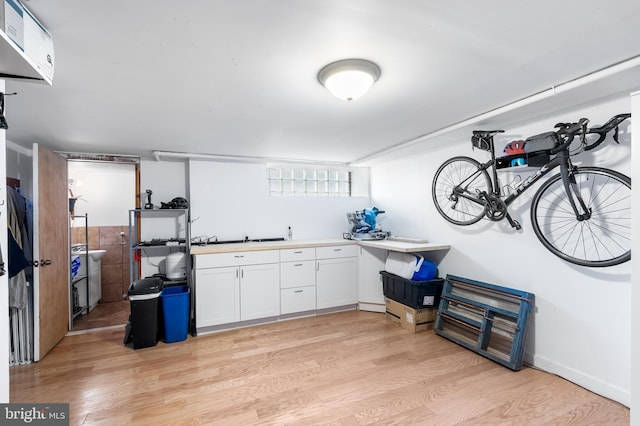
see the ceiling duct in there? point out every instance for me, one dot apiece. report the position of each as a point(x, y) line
point(158, 155)
point(105, 158)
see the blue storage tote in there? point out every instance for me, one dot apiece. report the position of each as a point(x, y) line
point(175, 311)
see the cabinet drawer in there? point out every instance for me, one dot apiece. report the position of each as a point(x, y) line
point(332, 252)
point(237, 258)
point(297, 274)
point(289, 255)
point(298, 299)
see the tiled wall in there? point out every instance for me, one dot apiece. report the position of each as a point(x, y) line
point(115, 262)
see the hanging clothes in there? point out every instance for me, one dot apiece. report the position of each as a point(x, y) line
point(2, 270)
point(25, 219)
point(18, 261)
point(18, 258)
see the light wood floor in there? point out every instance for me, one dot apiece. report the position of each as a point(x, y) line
point(350, 368)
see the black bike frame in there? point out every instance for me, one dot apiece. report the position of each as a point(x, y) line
point(560, 160)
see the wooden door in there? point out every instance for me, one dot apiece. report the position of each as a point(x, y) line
point(51, 250)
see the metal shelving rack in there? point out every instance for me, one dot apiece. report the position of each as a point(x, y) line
point(74, 281)
point(135, 248)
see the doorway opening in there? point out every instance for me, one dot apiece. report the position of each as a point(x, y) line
point(102, 190)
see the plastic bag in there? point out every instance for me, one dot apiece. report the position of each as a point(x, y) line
point(410, 266)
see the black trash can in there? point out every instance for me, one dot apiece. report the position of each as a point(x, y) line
point(144, 321)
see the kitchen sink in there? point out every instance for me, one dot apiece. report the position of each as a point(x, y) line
point(246, 240)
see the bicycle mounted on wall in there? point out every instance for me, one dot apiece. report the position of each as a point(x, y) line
point(582, 214)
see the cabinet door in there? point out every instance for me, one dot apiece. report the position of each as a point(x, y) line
point(217, 296)
point(259, 291)
point(336, 282)
point(371, 262)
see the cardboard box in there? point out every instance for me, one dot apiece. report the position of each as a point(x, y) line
point(27, 47)
point(38, 45)
point(414, 320)
point(11, 20)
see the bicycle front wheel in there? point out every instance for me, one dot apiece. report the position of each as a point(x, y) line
point(602, 237)
point(455, 190)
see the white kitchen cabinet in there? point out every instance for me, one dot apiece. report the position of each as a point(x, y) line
point(336, 276)
point(259, 291)
point(370, 262)
point(230, 288)
point(290, 278)
point(218, 296)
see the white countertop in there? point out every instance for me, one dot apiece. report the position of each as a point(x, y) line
point(269, 245)
point(401, 246)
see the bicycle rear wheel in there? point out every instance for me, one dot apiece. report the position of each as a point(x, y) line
point(455, 190)
point(603, 238)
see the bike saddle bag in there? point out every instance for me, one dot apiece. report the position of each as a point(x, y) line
point(481, 143)
point(541, 142)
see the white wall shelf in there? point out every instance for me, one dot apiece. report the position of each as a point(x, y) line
point(15, 65)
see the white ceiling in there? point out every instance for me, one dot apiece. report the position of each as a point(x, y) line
point(239, 78)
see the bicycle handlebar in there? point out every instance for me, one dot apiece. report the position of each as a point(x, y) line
point(611, 124)
point(568, 131)
point(603, 130)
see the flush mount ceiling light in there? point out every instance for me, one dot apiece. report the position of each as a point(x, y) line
point(349, 79)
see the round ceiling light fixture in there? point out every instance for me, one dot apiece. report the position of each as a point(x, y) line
point(348, 79)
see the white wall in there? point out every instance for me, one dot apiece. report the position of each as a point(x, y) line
point(635, 263)
point(105, 191)
point(4, 280)
point(231, 200)
point(167, 180)
point(581, 325)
